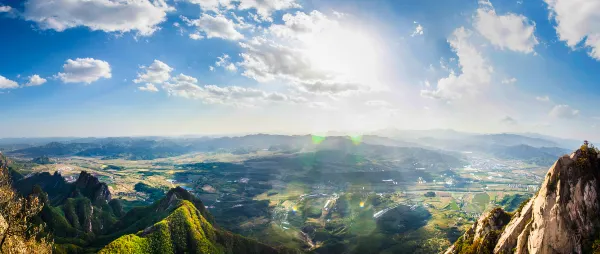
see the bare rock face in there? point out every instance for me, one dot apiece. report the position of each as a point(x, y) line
point(511, 233)
point(3, 161)
point(563, 217)
point(483, 235)
point(91, 187)
point(564, 213)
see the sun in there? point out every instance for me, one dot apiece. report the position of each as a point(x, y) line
point(349, 54)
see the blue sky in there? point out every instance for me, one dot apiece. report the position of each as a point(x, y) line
point(165, 67)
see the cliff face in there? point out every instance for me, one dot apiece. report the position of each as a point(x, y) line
point(563, 217)
point(92, 188)
point(3, 161)
point(483, 235)
point(72, 210)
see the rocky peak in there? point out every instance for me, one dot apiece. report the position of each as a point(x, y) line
point(3, 161)
point(89, 186)
point(483, 235)
point(174, 197)
point(562, 217)
point(86, 179)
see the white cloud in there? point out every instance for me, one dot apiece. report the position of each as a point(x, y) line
point(180, 28)
point(241, 23)
point(330, 87)
point(7, 83)
point(339, 14)
point(543, 98)
point(254, 17)
point(35, 80)
point(187, 87)
point(142, 16)
point(315, 54)
point(476, 72)
point(511, 31)
point(5, 8)
point(156, 73)
point(577, 21)
point(211, 68)
point(301, 25)
point(84, 70)
point(321, 105)
point(266, 61)
point(377, 103)
point(418, 30)
point(215, 27)
point(213, 5)
point(264, 8)
point(196, 36)
point(509, 80)
point(148, 88)
point(564, 111)
point(231, 67)
point(224, 61)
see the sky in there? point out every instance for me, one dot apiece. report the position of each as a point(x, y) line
point(215, 67)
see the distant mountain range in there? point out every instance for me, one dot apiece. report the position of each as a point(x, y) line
point(538, 148)
point(532, 139)
point(542, 156)
point(147, 149)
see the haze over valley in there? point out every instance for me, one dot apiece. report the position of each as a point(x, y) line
point(299, 126)
point(326, 194)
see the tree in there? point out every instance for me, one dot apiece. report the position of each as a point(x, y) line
point(17, 232)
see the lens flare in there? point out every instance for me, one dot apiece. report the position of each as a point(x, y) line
point(362, 204)
point(356, 139)
point(317, 139)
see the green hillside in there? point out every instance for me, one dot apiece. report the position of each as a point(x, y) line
point(82, 217)
point(185, 230)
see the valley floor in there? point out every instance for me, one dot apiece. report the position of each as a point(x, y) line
point(289, 200)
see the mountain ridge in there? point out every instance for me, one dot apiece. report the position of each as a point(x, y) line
point(186, 230)
point(560, 218)
point(82, 217)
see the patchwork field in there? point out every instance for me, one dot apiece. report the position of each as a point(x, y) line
point(327, 201)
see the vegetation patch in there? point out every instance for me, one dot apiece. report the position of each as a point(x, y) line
point(514, 202)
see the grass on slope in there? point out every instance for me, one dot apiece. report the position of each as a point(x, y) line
point(184, 231)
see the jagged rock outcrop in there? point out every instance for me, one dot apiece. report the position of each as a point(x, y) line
point(562, 217)
point(91, 187)
point(483, 235)
point(3, 161)
point(508, 241)
point(564, 214)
